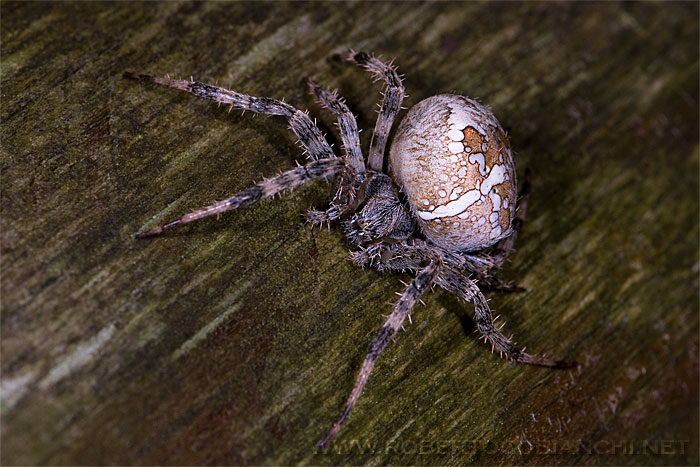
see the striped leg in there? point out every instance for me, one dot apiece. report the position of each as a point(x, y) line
point(456, 283)
point(391, 104)
point(309, 135)
point(350, 136)
point(319, 218)
point(403, 307)
point(452, 278)
point(285, 181)
point(347, 125)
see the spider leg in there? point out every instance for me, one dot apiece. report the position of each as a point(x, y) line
point(452, 278)
point(403, 307)
point(391, 103)
point(285, 181)
point(347, 199)
point(463, 287)
point(309, 135)
point(319, 218)
point(350, 136)
point(347, 126)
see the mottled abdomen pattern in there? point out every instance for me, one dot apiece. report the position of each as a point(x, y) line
point(453, 160)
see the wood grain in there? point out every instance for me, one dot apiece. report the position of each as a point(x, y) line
point(237, 341)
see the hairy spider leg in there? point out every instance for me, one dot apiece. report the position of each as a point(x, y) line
point(456, 283)
point(285, 181)
point(347, 126)
point(309, 135)
point(452, 278)
point(390, 106)
point(403, 307)
point(345, 199)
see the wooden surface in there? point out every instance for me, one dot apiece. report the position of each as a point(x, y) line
point(237, 341)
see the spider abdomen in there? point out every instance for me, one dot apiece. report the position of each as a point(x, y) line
point(453, 160)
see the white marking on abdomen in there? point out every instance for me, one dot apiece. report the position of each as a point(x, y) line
point(478, 158)
point(495, 200)
point(462, 117)
point(453, 207)
point(496, 177)
point(455, 147)
point(455, 135)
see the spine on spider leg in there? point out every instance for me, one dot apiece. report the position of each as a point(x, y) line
point(347, 125)
point(263, 105)
point(285, 181)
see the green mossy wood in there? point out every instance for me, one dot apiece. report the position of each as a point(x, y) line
point(237, 341)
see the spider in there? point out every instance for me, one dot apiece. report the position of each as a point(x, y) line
point(448, 214)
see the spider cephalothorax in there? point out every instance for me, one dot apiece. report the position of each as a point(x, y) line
point(380, 214)
point(457, 224)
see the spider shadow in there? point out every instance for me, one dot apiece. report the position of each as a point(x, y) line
point(458, 308)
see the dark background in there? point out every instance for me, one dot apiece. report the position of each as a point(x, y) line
point(238, 341)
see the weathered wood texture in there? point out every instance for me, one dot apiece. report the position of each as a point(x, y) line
point(237, 341)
